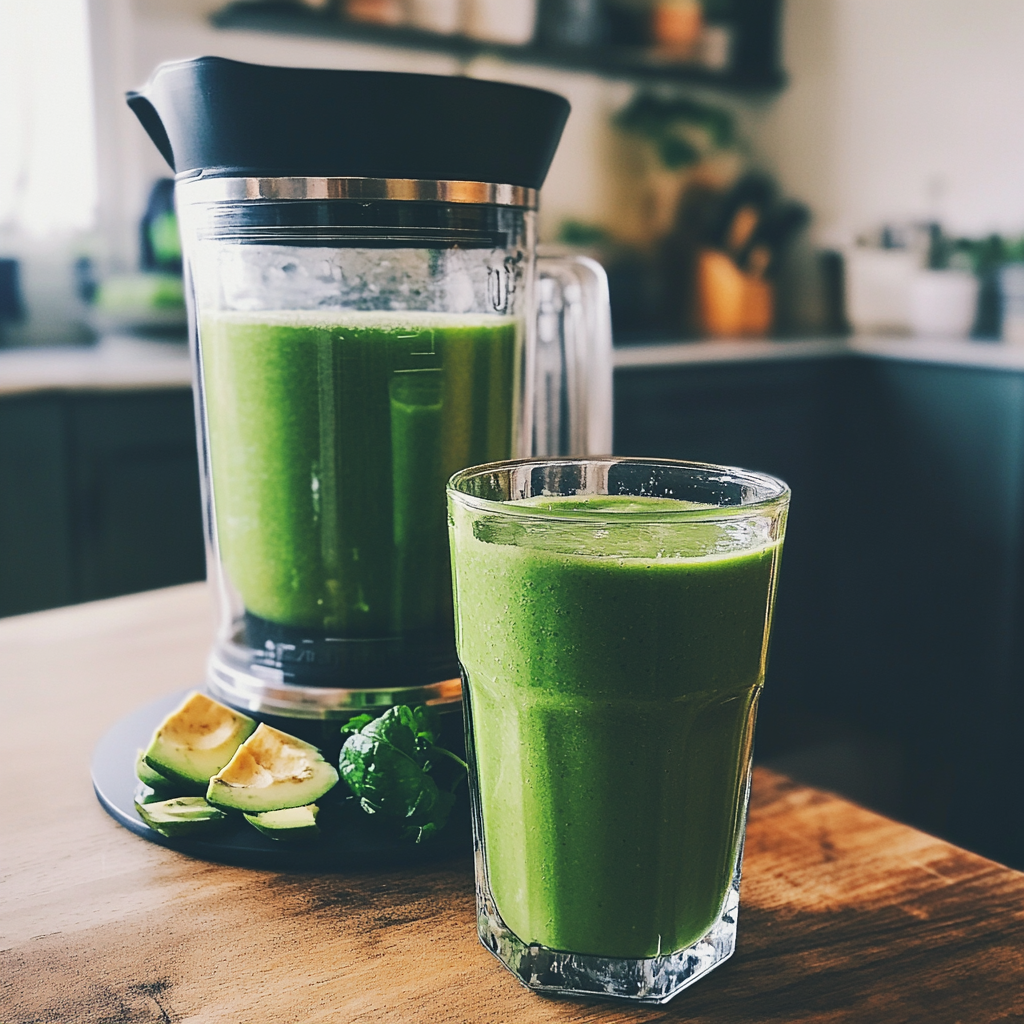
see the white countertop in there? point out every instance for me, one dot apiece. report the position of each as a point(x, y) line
point(978, 354)
point(115, 363)
point(969, 354)
point(122, 363)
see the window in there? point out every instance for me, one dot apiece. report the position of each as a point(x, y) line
point(47, 136)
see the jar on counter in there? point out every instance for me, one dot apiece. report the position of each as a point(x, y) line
point(502, 21)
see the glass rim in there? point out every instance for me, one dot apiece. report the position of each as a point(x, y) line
point(779, 499)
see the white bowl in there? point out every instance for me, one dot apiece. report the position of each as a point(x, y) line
point(943, 303)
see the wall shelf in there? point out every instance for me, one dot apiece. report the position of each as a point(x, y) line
point(755, 67)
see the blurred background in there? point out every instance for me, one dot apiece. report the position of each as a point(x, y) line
point(785, 136)
point(812, 217)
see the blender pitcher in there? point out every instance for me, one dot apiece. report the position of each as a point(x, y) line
point(368, 316)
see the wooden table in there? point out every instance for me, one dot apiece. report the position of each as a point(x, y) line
point(846, 916)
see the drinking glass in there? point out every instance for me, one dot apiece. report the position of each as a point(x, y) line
point(612, 625)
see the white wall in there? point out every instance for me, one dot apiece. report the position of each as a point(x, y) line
point(896, 109)
point(901, 109)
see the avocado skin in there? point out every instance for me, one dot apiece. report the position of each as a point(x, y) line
point(147, 795)
point(294, 824)
point(242, 798)
point(189, 816)
point(180, 784)
point(153, 780)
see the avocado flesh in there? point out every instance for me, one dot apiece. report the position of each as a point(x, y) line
point(182, 816)
point(272, 771)
point(290, 825)
point(194, 742)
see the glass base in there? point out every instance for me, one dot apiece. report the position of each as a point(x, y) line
point(650, 980)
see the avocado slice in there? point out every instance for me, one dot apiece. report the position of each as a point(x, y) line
point(270, 772)
point(290, 825)
point(194, 742)
point(147, 795)
point(152, 779)
point(182, 816)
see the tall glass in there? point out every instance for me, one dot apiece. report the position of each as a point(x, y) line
point(612, 623)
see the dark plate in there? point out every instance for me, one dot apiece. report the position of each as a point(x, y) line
point(349, 839)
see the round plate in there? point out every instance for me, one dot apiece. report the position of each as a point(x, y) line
point(348, 839)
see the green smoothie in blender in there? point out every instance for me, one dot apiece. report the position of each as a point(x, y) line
point(331, 436)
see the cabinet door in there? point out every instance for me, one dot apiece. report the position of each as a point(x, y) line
point(776, 417)
point(932, 565)
point(899, 631)
point(35, 530)
point(136, 514)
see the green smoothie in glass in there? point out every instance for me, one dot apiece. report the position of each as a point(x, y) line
point(614, 674)
point(331, 436)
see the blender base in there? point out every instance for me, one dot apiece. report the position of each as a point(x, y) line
point(283, 672)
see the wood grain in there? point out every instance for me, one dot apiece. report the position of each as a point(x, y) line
point(845, 915)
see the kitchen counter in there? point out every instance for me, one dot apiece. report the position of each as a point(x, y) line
point(941, 351)
point(115, 363)
point(121, 362)
point(847, 916)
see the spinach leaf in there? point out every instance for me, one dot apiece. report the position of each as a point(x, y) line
point(355, 724)
point(443, 806)
point(397, 727)
point(386, 780)
point(428, 723)
point(387, 762)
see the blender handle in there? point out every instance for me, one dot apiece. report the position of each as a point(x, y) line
point(572, 369)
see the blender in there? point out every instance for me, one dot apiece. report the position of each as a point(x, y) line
point(368, 315)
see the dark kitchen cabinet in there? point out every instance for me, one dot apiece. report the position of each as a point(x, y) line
point(897, 663)
point(35, 509)
point(99, 496)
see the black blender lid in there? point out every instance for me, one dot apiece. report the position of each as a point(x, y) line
point(226, 118)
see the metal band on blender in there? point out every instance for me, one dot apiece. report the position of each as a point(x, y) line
point(202, 189)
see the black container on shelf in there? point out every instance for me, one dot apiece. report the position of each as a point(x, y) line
point(571, 24)
point(629, 24)
point(12, 306)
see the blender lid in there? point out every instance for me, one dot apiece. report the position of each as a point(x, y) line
point(225, 118)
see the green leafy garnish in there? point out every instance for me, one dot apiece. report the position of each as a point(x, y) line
point(387, 763)
point(355, 724)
